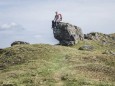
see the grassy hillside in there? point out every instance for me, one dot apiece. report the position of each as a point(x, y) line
point(54, 65)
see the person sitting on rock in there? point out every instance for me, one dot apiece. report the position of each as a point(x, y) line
point(57, 19)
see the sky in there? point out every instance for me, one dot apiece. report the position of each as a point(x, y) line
point(30, 20)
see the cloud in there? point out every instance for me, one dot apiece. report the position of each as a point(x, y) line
point(11, 27)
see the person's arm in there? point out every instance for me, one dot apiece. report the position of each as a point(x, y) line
point(60, 17)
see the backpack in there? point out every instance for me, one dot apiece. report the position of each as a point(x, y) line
point(60, 16)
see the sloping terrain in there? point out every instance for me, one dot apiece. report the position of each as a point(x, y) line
point(54, 65)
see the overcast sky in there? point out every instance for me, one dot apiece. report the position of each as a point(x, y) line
point(30, 20)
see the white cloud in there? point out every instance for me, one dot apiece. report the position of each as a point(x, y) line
point(11, 27)
point(8, 26)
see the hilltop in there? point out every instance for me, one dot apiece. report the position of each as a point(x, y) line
point(79, 59)
point(56, 65)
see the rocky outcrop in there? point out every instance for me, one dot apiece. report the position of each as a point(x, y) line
point(92, 36)
point(18, 42)
point(67, 34)
point(99, 36)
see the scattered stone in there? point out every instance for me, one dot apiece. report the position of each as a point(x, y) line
point(2, 66)
point(111, 52)
point(86, 47)
point(67, 34)
point(113, 38)
point(13, 75)
point(1, 50)
point(104, 42)
point(64, 77)
point(108, 52)
point(18, 43)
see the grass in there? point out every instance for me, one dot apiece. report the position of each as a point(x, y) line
point(54, 65)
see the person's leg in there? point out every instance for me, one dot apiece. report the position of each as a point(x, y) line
point(53, 24)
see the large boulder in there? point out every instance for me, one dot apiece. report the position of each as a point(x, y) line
point(18, 43)
point(67, 34)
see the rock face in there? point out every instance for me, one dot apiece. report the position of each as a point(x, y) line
point(18, 42)
point(67, 34)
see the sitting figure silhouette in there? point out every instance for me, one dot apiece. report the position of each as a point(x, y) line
point(57, 19)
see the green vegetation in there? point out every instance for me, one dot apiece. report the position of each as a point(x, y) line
point(54, 65)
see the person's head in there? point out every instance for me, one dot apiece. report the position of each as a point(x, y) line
point(56, 12)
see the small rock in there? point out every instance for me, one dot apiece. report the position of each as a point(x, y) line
point(1, 50)
point(113, 38)
point(111, 52)
point(108, 52)
point(2, 66)
point(64, 77)
point(104, 42)
point(18, 42)
point(86, 47)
